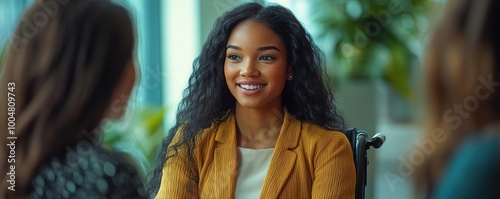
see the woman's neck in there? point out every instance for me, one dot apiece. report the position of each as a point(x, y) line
point(258, 128)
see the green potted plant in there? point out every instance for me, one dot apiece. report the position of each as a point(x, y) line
point(369, 42)
point(373, 40)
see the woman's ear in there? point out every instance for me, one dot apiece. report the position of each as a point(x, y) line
point(289, 75)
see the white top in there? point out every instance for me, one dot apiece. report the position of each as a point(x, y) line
point(252, 172)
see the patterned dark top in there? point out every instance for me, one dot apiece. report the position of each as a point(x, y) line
point(88, 172)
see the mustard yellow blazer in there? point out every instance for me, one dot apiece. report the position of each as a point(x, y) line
point(308, 162)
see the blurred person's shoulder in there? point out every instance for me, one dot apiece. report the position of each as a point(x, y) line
point(86, 170)
point(484, 146)
point(477, 159)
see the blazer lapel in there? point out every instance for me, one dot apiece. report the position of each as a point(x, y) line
point(283, 159)
point(225, 159)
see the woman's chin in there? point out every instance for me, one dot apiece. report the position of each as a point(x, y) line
point(248, 105)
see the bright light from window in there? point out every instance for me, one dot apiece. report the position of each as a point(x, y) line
point(180, 30)
point(284, 3)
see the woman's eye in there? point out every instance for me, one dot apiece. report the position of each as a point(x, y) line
point(267, 58)
point(233, 57)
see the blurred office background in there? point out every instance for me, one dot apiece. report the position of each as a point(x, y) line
point(373, 50)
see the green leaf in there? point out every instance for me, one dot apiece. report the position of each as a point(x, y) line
point(386, 54)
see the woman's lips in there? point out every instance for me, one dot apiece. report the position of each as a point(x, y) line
point(250, 87)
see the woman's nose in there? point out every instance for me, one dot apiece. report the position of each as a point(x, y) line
point(249, 69)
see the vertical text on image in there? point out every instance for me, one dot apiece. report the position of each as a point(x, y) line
point(11, 130)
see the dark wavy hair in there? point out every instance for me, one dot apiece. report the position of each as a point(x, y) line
point(207, 98)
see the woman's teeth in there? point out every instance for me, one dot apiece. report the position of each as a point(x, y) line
point(251, 87)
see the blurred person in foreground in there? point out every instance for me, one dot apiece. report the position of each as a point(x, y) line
point(463, 78)
point(67, 76)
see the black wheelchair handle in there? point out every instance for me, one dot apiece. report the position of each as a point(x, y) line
point(377, 140)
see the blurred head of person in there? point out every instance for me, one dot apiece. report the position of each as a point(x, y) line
point(72, 65)
point(462, 67)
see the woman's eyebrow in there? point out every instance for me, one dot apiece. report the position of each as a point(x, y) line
point(263, 48)
point(233, 47)
point(268, 48)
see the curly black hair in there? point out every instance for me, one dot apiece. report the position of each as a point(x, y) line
point(207, 98)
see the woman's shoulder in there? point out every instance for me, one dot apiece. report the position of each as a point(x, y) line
point(87, 171)
point(483, 149)
point(315, 132)
point(478, 158)
point(488, 143)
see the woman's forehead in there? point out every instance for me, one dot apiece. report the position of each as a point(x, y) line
point(252, 35)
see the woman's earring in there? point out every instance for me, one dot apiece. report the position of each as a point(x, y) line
point(290, 77)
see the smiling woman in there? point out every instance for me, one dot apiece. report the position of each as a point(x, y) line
point(257, 118)
point(255, 67)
